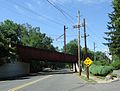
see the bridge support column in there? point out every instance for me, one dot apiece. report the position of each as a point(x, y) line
point(75, 67)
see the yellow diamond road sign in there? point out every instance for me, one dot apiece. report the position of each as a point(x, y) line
point(88, 61)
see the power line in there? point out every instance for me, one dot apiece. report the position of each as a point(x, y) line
point(60, 10)
point(95, 36)
point(35, 13)
point(30, 17)
point(61, 4)
point(91, 39)
point(92, 31)
point(59, 37)
point(64, 10)
point(68, 35)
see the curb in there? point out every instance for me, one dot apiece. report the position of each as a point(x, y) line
point(84, 79)
point(104, 81)
point(98, 80)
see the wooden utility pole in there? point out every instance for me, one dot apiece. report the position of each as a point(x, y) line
point(78, 27)
point(79, 61)
point(85, 43)
point(65, 38)
point(85, 56)
point(94, 51)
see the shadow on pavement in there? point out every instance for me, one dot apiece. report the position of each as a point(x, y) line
point(15, 78)
point(53, 72)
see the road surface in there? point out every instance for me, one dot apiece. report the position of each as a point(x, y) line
point(62, 80)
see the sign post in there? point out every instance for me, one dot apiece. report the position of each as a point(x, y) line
point(87, 62)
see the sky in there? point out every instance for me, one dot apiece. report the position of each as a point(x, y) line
point(52, 15)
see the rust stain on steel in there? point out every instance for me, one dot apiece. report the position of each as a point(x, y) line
point(31, 53)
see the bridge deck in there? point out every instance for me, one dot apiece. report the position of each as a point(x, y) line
point(29, 53)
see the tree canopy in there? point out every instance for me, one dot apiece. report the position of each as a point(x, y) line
point(113, 36)
point(24, 34)
point(72, 47)
point(8, 35)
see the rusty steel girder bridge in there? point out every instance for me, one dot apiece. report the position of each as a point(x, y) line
point(27, 54)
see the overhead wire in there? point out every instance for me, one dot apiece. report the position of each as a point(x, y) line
point(93, 31)
point(35, 13)
point(64, 10)
point(23, 15)
point(26, 16)
point(59, 2)
point(65, 14)
point(94, 34)
point(21, 6)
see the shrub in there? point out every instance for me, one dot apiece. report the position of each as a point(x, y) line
point(100, 70)
point(106, 70)
point(103, 62)
point(94, 69)
point(116, 64)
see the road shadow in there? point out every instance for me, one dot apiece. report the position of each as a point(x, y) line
point(15, 78)
point(42, 73)
point(50, 73)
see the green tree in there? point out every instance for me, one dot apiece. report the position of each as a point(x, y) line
point(24, 34)
point(101, 58)
point(113, 36)
point(9, 33)
point(90, 54)
point(33, 37)
point(72, 47)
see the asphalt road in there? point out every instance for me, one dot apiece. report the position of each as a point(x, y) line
point(61, 80)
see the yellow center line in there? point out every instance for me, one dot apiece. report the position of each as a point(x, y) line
point(27, 84)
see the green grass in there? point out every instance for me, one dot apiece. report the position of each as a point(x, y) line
point(100, 77)
point(88, 80)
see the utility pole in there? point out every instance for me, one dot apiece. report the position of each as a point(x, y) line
point(85, 43)
point(94, 51)
point(85, 56)
point(65, 38)
point(80, 68)
point(78, 26)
